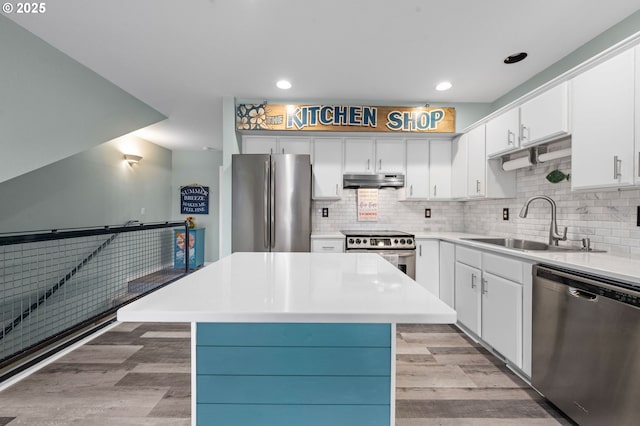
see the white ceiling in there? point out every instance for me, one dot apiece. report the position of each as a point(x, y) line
point(181, 57)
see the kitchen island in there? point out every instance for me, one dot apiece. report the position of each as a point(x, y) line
point(293, 338)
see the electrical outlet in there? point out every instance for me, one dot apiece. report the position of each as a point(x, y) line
point(427, 213)
point(325, 212)
point(505, 213)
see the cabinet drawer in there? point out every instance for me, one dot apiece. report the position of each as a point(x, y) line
point(327, 246)
point(504, 267)
point(469, 256)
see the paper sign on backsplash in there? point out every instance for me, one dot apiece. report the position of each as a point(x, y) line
point(367, 205)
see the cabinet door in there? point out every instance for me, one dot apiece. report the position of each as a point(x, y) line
point(358, 156)
point(502, 316)
point(459, 171)
point(327, 168)
point(440, 169)
point(322, 245)
point(294, 146)
point(477, 162)
point(602, 121)
point(389, 156)
point(447, 273)
point(428, 265)
point(636, 153)
point(417, 178)
point(259, 144)
point(467, 296)
point(502, 132)
point(545, 117)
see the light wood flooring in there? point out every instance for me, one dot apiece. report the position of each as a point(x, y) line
point(139, 374)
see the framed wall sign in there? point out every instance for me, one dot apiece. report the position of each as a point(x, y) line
point(194, 199)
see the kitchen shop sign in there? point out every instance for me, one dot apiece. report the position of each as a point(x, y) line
point(345, 118)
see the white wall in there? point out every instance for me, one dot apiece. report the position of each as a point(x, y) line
point(93, 188)
point(52, 107)
point(200, 167)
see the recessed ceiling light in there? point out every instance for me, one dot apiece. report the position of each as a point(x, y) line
point(442, 86)
point(516, 57)
point(283, 84)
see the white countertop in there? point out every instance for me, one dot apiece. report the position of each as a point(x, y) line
point(603, 264)
point(293, 287)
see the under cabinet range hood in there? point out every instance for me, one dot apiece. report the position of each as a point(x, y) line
point(373, 181)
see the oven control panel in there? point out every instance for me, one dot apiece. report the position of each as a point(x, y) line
point(381, 243)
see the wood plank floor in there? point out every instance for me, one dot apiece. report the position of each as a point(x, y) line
point(139, 374)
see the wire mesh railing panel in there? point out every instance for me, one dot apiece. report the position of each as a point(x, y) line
point(48, 287)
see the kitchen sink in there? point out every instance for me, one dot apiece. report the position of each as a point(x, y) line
point(525, 245)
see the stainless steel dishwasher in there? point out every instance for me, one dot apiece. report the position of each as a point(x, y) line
point(586, 346)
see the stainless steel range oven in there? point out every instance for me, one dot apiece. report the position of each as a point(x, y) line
point(397, 247)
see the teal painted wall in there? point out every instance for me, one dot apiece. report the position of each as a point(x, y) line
point(622, 30)
point(52, 107)
point(95, 187)
point(202, 167)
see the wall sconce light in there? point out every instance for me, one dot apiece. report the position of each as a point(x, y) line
point(132, 159)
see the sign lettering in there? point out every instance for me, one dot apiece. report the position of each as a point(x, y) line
point(345, 118)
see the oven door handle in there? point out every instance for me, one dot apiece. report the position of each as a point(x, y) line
point(403, 253)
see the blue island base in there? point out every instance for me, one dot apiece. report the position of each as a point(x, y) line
point(293, 374)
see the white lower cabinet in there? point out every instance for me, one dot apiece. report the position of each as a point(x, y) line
point(327, 245)
point(467, 287)
point(489, 299)
point(428, 264)
point(447, 272)
point(502, 316)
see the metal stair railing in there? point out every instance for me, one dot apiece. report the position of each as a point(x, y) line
point(98, 279)
point(50, 292)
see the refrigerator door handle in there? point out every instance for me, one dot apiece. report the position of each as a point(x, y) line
point(273, 204)
point(265, 206)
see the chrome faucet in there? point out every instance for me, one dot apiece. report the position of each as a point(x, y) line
point(554, 236)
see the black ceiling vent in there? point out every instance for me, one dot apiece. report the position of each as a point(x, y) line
point(516, 57)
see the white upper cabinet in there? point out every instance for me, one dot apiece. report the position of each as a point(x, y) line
point(363, 155)
point(440, 169)
point(602, 120)
point(459, 167)
point(417, 177)
point(389, 156)
point(294, 145)
point(359, 156)
point(477, 162)
point(545, 117)
point(485, 178)
point(541, 119)
point(503, 132)
point(327, 168)
point(259, 144)
point(275, 145)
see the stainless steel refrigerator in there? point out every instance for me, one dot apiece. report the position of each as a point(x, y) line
point(271, 208)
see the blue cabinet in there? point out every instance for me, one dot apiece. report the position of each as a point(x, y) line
point(196, 248)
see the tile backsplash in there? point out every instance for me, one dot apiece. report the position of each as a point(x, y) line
point(393, 214)
point(608, 218)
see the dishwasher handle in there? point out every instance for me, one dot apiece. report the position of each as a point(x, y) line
point(581, 294)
